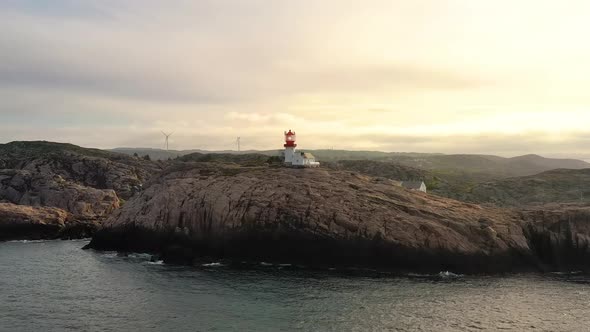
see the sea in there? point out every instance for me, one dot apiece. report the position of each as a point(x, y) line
point(57, 286)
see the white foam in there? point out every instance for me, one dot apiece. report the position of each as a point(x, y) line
point(156, 262)
point(28, 241)
point(109, 254)
point(418, 275)
point(449, 275)
point(140, 256)
point(567, 273)
point(215, 264)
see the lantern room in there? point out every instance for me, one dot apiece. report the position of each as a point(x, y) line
point(290, 138)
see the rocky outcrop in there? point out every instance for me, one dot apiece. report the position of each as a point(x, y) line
point(47, 189)
point(312, 217)
point(86, 167)
point(87, 184)
point(34, 223)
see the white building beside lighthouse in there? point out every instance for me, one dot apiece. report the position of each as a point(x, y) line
point(296, 158)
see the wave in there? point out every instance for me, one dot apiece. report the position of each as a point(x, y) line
point(443, 275)
point(214, 264)
point(160, 262)
point(28, 241)
point(85, 239)
point(136, 255)
point(449, 275)
point(109, 254)
point(567, 273)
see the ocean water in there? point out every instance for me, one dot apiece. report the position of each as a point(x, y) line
point(56, 286)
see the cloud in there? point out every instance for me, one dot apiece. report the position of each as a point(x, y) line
point(262, 118)
point(381, 74)
point(221, 55)
point(55, 8)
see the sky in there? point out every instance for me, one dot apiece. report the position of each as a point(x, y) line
point(451, 76)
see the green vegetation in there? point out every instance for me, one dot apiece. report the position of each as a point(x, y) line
point(246, 159)
point(556, 186)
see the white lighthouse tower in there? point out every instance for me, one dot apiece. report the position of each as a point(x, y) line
point(297, 158)
point(290, 146)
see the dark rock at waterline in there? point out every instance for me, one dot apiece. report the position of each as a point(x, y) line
point(559, 235)
point(302, 249)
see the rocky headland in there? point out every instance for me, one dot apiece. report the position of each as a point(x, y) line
point(319, 217)
point(249, 208)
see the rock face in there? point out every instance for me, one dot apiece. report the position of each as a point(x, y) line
point(26, 222)
point(86, 167)
point(86, 183)
point(559, 234)
point(48, 189)
point(313, 217)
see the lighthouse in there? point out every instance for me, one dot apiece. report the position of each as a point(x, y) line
point(295, 158)
point(290, 146)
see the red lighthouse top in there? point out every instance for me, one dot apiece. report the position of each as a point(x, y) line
point(290, 139)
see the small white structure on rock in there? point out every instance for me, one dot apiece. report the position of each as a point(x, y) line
point(297, 158)
point(414, 185)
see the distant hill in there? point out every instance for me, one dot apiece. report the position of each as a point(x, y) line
point(475, 168)
point(381, 169)
point(34, 149)
point(155, 154)
point(555, 186)
point(444, 184)
point(482, 167)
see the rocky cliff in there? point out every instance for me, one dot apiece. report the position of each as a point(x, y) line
point(559, 235)
point(313, 217)
point(86, 167)
point(49, 189)
point(87, 184)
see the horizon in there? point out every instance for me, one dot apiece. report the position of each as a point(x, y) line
point(426, 77)
point(585, 158)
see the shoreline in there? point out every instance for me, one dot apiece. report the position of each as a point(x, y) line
point(179, 249)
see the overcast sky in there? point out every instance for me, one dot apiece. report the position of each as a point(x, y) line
point(454, 76)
